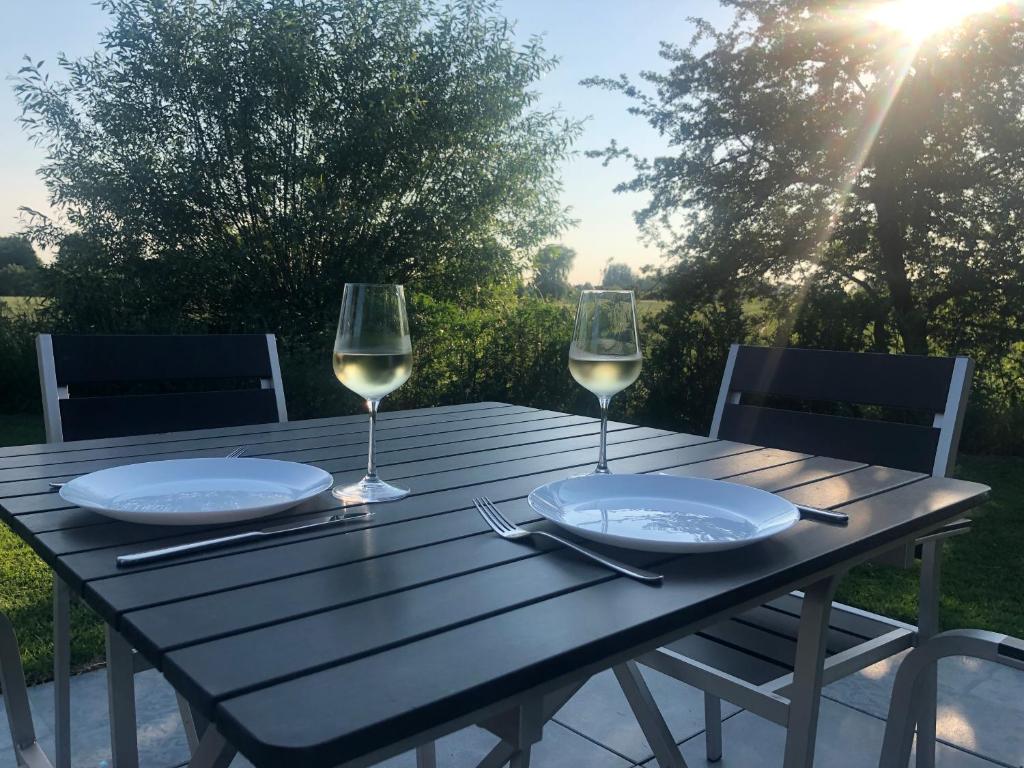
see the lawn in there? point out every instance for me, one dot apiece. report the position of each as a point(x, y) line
point(20, 305)
point(982, 575)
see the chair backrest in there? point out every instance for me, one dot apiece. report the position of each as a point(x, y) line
point(102, 386)
point(937, 386)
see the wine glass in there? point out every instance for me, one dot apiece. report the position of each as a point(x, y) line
point(604, 356)
point(372, 357)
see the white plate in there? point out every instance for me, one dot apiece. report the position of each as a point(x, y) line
point(196, 491)
point(663, 513)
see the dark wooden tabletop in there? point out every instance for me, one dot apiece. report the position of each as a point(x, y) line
point(333, 644)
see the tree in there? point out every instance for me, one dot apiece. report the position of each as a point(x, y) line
point(19, 267)
point(618, 275)
point(551, 267)
point(232, 164)
point(17, 251)
point(816, 147)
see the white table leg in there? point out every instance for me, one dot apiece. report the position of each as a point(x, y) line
point(652, 723)
point(121, 701)
point(426, 755)
point(61, 673)
point(214, 751)
point(805, 693)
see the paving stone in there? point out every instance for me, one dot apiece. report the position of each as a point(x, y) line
point(600, 711)
point(560, 748)
point(981, 704)
point(981, 710)
point(161, 737)
point(846, 739)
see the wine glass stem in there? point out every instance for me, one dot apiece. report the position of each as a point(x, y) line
point(602, 456)
point(371, 462)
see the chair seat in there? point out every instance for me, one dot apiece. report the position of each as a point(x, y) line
point(760, 645)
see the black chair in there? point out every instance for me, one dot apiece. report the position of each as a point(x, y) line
point(116, 386)
point(779, 398)
point(113, 386)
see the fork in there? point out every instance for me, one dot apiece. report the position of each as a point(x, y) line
point(233, 455)
point(508, 530)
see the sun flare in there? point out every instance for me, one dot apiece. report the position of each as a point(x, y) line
point(919, 19)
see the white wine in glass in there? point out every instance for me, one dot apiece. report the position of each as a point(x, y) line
point(604, 356)
point(373, 358)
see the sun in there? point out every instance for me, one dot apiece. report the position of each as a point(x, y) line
point(920, 19)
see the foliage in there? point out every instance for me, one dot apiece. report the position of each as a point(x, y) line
point(19, 281)
point(864, 190)
point(813, 146)
point(506, 348)
point(19, 267)
point(230, 165)
point(551, 267)
point(618, 275)
point(19, 383)
point(17, 251)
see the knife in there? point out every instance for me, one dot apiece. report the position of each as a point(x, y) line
point(164, 553)
point(823, 515)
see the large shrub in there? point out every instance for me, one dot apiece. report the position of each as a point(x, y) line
point(230, 165)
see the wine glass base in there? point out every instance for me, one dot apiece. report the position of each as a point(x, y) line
point(368, 491)
point(601, 471)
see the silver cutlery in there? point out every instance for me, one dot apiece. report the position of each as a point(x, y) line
point(152, 555)
point(508, 530)
point(232, 455)
point(823, 515)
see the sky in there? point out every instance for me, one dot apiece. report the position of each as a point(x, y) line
point(591, 37)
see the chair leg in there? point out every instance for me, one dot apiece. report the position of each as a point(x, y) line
point(426, 755)
point(928, 627)
point(121, 701)
point(19, 714)
point(520, 758)
point(713, 727)
point(652, 723)
point(61, 672)
point(805, 694)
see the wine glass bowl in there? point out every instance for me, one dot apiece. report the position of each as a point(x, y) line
point(372, 357)
point(604, 356)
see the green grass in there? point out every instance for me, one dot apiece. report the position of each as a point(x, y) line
point(20, 305)
point(25, 595)
point(982, 574)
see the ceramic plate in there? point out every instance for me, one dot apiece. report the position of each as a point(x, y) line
point(663, 513)
point(196, 491)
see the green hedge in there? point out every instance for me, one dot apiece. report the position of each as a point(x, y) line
point(514, 350)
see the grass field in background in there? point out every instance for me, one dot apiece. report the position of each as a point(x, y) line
point(20, 305)
point(982, 573)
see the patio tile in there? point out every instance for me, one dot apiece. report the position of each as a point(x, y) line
point(161, 738)
point(560, 748)
point(981, 710)
point(846, 739)
point(600, 711)
point(981, 704)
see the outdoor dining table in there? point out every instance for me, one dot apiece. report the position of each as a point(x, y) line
point(350, 643)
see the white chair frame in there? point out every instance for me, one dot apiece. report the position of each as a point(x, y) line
point(27, 751)
point(910, 690)
point(785, 700)
point(123, 662)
